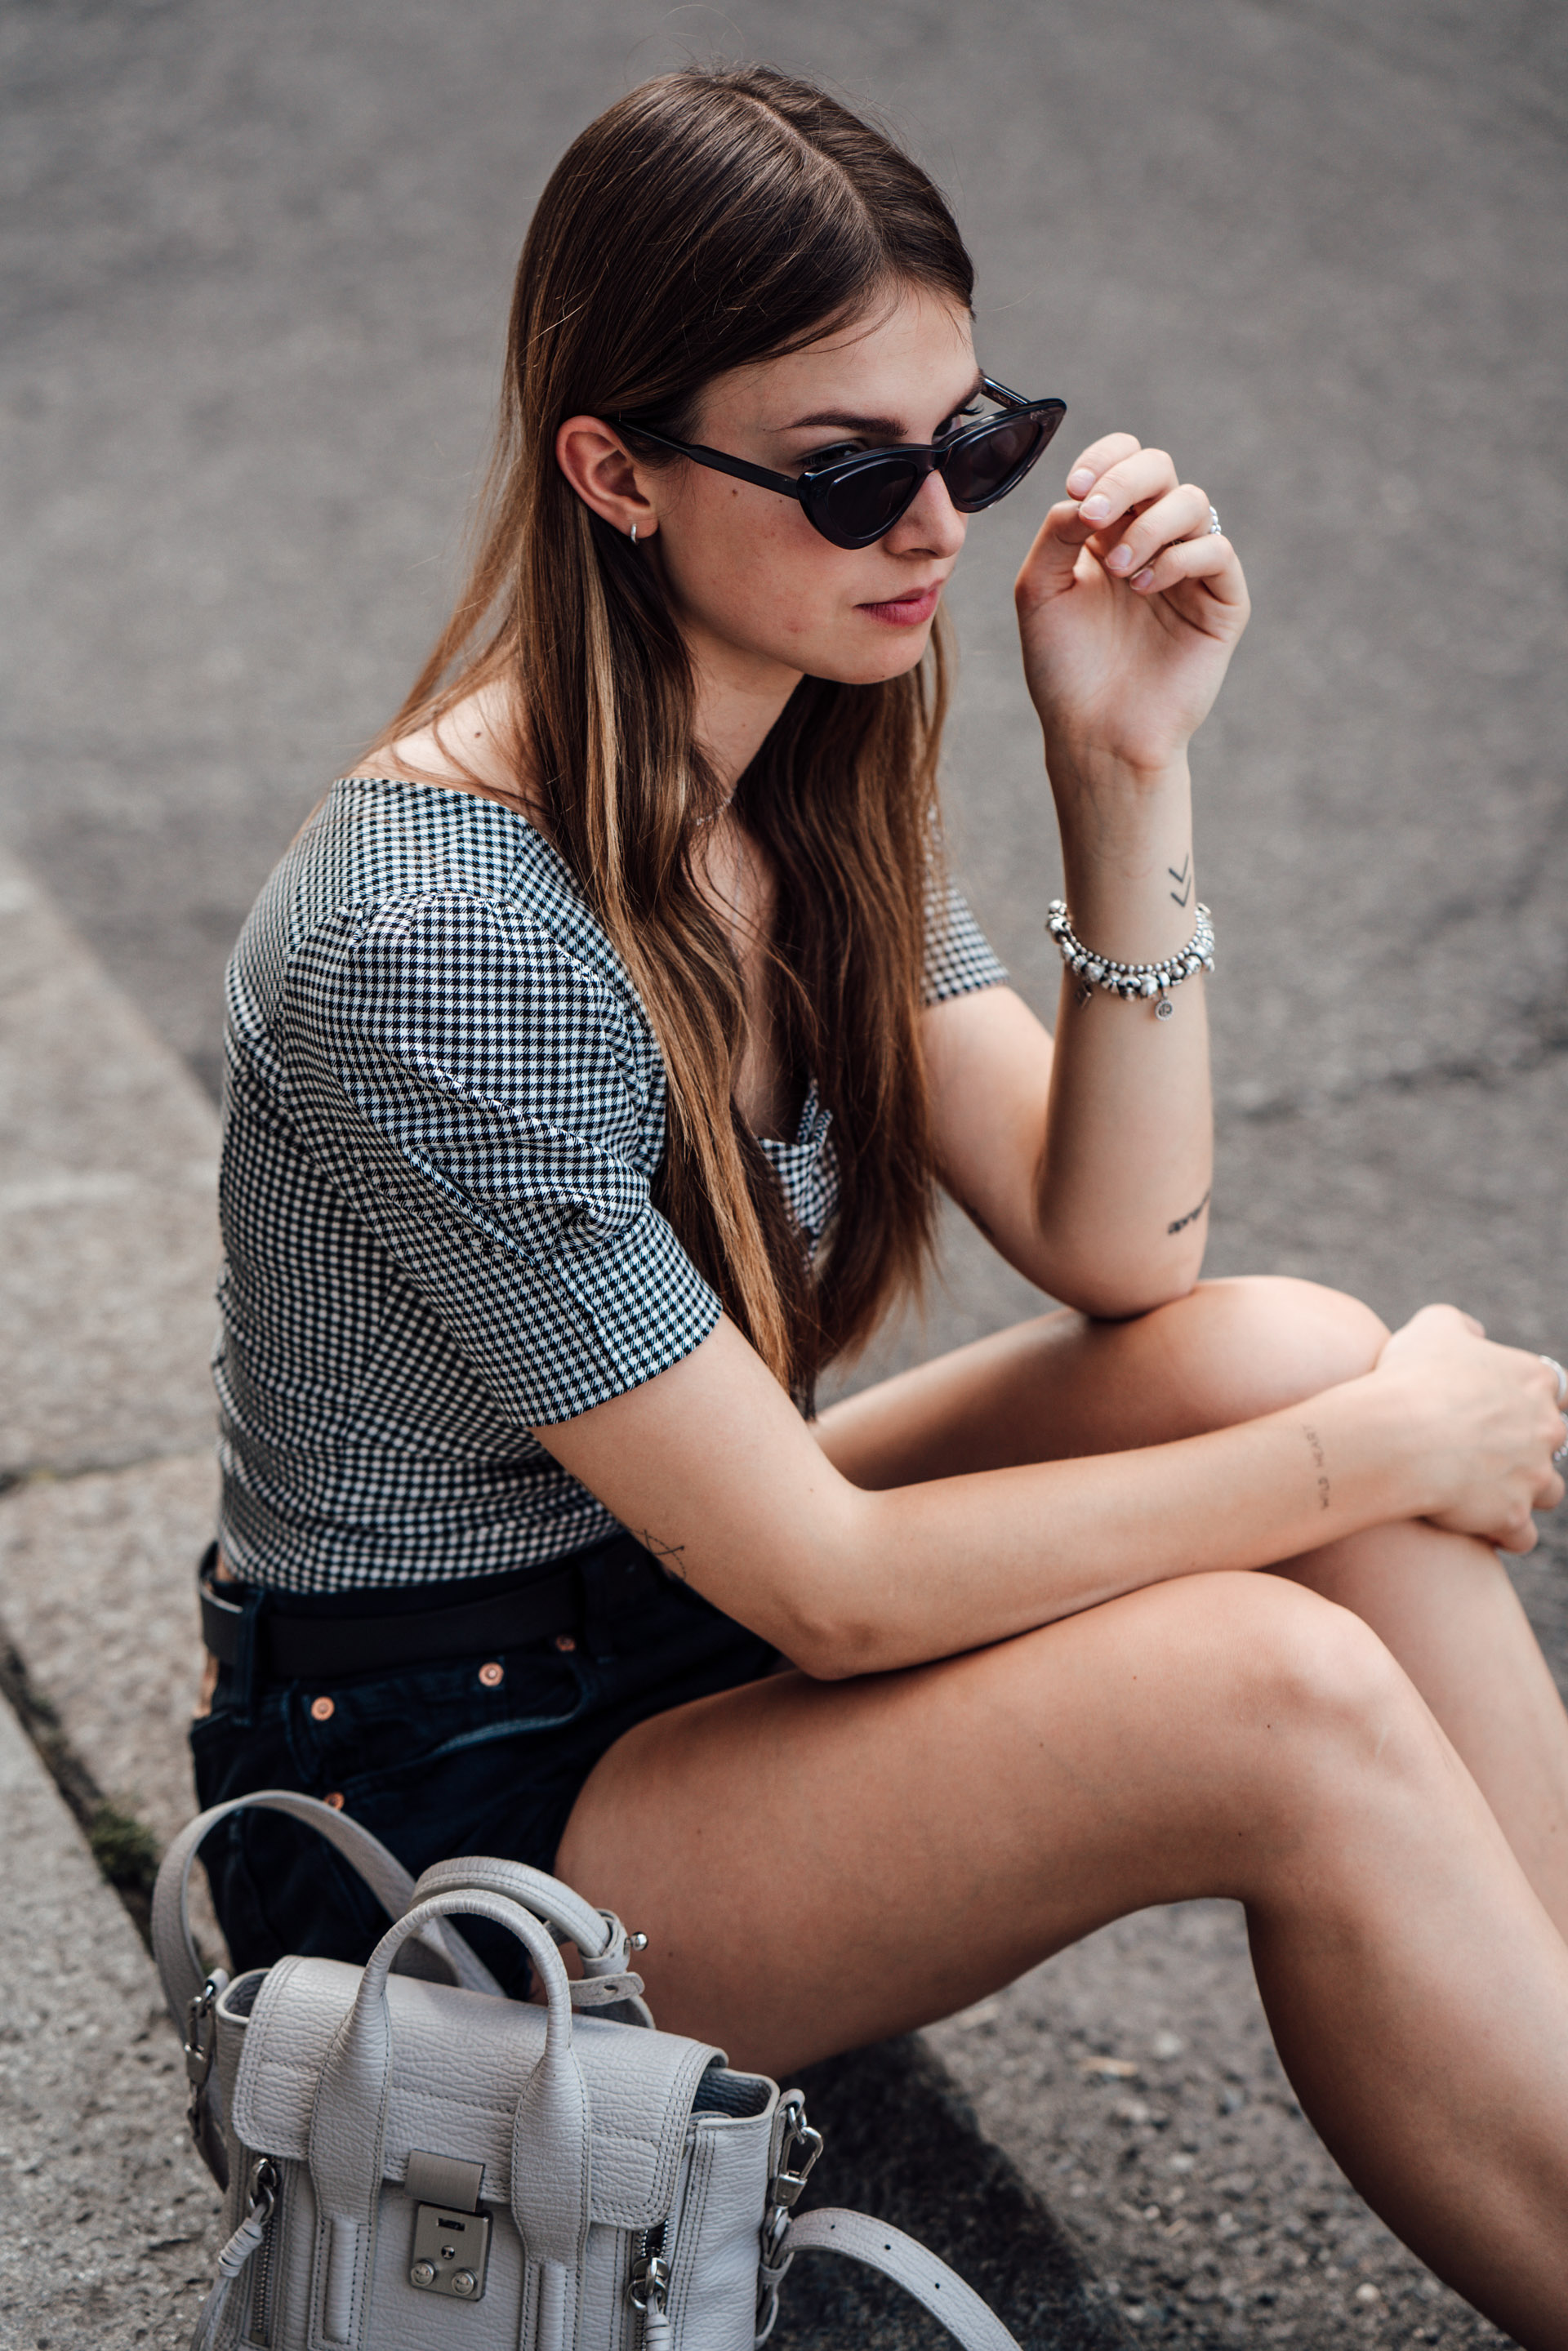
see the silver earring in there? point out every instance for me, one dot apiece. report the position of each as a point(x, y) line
point(633, 534)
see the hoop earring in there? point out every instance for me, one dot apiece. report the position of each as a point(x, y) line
point(633, 534)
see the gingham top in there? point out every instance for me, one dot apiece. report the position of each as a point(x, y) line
point(444, 1110)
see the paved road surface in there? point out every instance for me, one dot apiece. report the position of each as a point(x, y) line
point(251, 313)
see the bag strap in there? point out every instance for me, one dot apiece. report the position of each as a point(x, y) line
point(905, 2260)
point(174, 1946)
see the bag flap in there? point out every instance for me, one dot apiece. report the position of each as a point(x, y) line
point(459, 2060)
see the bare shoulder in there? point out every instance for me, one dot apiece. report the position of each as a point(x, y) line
point(472, 748)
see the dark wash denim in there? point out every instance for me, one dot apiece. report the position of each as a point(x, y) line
point(435, 1763)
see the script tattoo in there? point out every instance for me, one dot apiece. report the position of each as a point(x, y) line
point(667, 1554)
point(1313, 1439)
point(1191, 1216)
point(1183, 877)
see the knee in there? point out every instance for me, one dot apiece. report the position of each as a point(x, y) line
point(1324, 1708)
point(1284, 1339)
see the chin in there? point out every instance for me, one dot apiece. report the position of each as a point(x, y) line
point(873, 665)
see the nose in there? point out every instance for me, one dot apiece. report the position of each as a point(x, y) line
point(930, 525)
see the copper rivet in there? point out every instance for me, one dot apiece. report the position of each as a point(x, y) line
point(322, 1709)
point(565, 1641)
point(492, 1675)
point(335, 1800)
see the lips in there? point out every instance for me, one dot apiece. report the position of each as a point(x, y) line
point(909, 611)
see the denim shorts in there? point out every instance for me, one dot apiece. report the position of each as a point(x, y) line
point(437, 1760)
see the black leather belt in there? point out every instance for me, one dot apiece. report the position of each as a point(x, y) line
point(296, 1639)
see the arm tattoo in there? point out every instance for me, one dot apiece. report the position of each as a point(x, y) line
point(667, 1554)
point(1191, 1216)
point(1313, 1439)
point(1185, 879)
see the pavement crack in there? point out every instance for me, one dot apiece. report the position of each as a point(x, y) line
point(125, 1848)
point(51, 1473)
point(1549, 1044)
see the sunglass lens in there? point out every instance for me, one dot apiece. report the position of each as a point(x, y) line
point(858, 508)
point(996, 460)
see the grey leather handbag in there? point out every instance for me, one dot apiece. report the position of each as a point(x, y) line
point(411, 2162)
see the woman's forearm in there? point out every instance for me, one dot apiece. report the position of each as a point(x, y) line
point(1125, 1166)
point(712, 1469)
point(963, 1561)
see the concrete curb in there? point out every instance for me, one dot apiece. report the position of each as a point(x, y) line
point(110, 2234)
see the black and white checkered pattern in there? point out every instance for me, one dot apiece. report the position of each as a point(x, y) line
point(444, 1111)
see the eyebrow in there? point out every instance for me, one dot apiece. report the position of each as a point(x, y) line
point(883, 427)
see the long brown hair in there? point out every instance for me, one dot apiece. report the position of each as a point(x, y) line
point(709, 219)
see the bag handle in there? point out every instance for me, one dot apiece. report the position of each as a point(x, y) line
point(551, 2148)
point(174, 1946)
point(610, 1986)
point(943, 2292)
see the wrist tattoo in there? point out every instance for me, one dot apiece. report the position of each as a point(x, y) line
point(1192, 1215)
point(667, 1554)
point(1184, 878)
point(1314, 1441)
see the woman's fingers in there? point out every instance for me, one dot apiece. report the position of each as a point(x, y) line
point(1182, 513)
point(1211, 560)
point(1141, 544)
point(1100, 455)
point(1133, 481)
point(1049, 568)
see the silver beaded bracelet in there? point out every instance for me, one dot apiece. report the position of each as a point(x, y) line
point(1130, 979)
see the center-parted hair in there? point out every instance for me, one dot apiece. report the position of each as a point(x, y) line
point(707, 220)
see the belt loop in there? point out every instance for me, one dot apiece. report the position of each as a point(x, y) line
point(614, 1583)
point(247, 1655)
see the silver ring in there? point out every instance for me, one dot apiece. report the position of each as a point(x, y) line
point(1214, 530)
point(1552, 1364)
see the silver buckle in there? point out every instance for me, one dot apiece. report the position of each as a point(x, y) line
point(798, 2148)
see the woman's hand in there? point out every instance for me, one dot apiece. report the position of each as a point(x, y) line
point(1484, 1422)
point(1129, 608)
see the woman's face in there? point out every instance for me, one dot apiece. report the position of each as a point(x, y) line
point(753, 586)
point(762, 598)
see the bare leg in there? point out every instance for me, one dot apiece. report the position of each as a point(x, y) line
point(819, 1865)
point(1445, 1607)
point(1442, 1602)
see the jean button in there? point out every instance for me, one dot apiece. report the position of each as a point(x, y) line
point(492, 1674)
point(322, 1709)
point(565, 1642)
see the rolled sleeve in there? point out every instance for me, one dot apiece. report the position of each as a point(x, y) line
point(483, 1102)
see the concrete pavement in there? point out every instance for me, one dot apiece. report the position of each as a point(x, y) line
point(251, 310)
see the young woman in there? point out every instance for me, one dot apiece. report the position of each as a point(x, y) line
point(596, 1054)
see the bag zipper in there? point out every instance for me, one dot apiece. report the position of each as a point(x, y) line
point(648, 2287)
point(265, 2180)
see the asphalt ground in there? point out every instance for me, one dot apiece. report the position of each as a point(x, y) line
point(254, 267)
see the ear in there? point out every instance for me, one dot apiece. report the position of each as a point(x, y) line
point(606, 475)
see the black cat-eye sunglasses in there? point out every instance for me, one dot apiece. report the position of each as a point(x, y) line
point(855, 500)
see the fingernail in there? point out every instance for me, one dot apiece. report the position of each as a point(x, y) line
point(1143, 579)
point(1080, 481)
point(1119, 559)
point(1096, 510)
